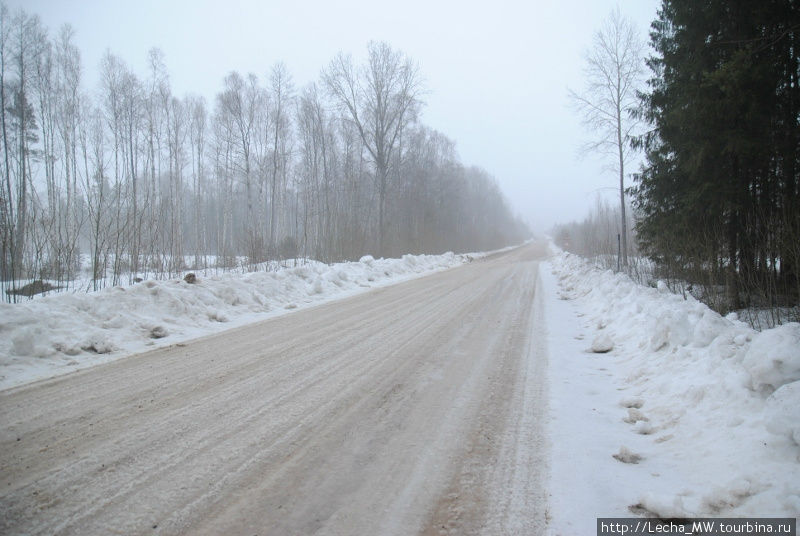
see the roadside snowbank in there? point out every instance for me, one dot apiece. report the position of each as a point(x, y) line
point(665, 408)
point(60, 333)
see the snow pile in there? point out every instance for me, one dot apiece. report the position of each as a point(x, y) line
point(60, 333)
point(689, 413)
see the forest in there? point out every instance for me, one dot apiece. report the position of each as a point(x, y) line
point(716, 203)
point(718, 198)
point(128, 180)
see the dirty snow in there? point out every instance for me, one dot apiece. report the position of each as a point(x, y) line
point(61, 333)
point(661, 407)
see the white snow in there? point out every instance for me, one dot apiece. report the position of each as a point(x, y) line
point(60, 333)
point(688, 413)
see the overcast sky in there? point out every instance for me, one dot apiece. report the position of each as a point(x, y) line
point(497, 71)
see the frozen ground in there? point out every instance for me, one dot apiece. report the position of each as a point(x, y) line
point(661, 407)
point(471, 388)
point(60, 333)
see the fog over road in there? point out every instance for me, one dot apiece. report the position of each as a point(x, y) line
point(415, 408)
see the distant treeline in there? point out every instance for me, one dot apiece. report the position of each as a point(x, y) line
point(139, 179)
point(718, 202)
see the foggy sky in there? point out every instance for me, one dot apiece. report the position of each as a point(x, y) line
point(496, 72)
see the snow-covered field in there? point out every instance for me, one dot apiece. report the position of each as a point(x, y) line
point(661, 407)
point(60, 333)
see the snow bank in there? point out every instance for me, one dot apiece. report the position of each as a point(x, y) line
point(60, 333)
point(700, 413)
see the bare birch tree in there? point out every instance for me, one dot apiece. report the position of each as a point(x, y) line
point(613, 71)
point(68, 67)
point(27, 40)
point(176, 137)
point(281, 95)
point(196, 108)
point(7, 266)
point(381, 98)
point(238, 106)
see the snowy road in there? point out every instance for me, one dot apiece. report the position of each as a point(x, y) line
point(415, 408)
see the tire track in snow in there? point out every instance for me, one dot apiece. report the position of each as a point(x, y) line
point(356, 416)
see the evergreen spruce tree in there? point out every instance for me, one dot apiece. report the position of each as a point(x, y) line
point(718, 196)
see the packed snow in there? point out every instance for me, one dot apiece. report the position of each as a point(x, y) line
point(661, 407)
point(658, 406)
point(60, 333)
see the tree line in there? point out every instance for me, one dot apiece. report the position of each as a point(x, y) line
point(135, 180)
point(718, 200)
point(716, 205)
point(597, 237)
